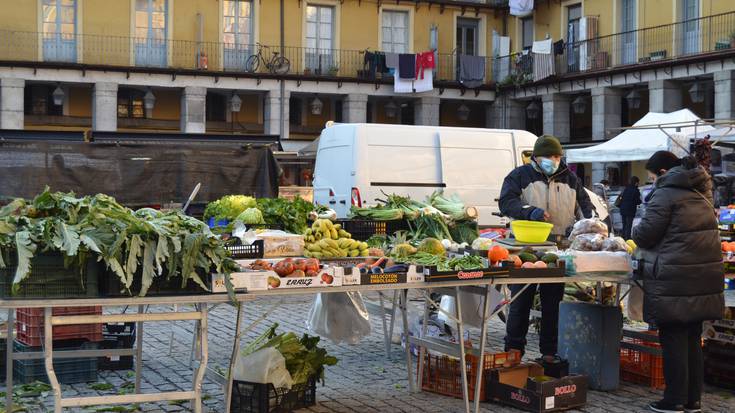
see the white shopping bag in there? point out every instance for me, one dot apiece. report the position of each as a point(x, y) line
point(471, 308)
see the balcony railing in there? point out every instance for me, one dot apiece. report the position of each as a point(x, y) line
point(114, 51)
point(667, 42)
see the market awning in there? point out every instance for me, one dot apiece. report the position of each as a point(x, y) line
point(648, 135)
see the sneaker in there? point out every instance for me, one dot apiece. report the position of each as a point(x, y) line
point(664, 407)
point(693, 407)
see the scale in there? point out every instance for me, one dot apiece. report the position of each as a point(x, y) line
point(514, 245)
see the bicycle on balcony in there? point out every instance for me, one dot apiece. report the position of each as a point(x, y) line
point(278, 65)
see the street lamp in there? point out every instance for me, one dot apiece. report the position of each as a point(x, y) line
point(58, 96)
point(391, 109)
point(463, 112)
point(316, 106)
point(533, 110)
point(235, 103)
point(579, 105)
point(634, 99)
point(149, 101)
point(696, 92)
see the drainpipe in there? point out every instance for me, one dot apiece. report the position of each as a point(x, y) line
point(281, 108)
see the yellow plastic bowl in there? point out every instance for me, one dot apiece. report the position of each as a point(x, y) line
point(531, 231)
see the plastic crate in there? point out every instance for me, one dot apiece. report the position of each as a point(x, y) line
point(641, 361)
point(239, 251)
point(49, 278)
point(110, 286)
point(68, 371)
point(443, 374)
point(117, 336)
point(3, 353)
point(363, 229)
point(250, 397)
point(29, 327)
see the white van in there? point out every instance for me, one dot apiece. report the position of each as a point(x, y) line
point(357, 163)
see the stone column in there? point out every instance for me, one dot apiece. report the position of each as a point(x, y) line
point(11, 103)
point(104, 107)
point(354, 108)
point(426, 111)
point(556, 116)
point(271, 113)
point(193, 109)
point(725, 94)
point(606, 111)
point(664, 96)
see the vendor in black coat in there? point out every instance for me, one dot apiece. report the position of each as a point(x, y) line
point(629, 201)
point(682, 271)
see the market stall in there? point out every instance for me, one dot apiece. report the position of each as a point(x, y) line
point(263, 247)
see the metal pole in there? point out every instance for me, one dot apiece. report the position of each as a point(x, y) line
point(233, 359)
point(204, 357)
point(404, 313)
point(462, 355)
point(139, 350)
point(392, 317)
point(422, 349)
point(9, 361)
point(480, 360)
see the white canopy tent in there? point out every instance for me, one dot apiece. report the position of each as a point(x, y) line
point(643, 139)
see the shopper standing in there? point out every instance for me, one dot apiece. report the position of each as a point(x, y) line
point(629, 201)
point(682, 271)
point(543, 190)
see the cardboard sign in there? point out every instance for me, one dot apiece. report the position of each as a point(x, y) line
point(269, 280)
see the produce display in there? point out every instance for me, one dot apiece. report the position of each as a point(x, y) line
point(137, 245)
point(592, 235)
point(328, 240)
point(292, 216)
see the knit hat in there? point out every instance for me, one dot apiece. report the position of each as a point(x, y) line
point(662, 160)
point(547, 145)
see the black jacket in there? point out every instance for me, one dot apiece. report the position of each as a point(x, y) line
point(629, 200)
point(680, 248)
point(526, 189)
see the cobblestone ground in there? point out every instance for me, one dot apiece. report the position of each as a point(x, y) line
point(365, 380)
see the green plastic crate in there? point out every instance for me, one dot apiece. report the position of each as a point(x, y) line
point(50, 279)
point(68, 371)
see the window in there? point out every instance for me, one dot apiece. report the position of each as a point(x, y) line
point(216, 106)
point(295, 105)
point(627, 27)
point(574, 15)
point(59, 30)
point(38, 100)
point(395, 31)
point(319, 38)
point(527, 33)
point(150, 32)
point(238, 31)
point(130, 104)
point(689, 15)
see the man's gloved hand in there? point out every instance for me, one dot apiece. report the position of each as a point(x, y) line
point(537, 214)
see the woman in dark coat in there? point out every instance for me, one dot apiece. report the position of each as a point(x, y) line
point(629, 201)
point(682, 273)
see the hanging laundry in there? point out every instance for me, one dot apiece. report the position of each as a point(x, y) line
point(380, 65)
point(543, 59)
point(368, 64)
point(559, 47)
point(401, 85)
point(425, 83)
point(471, 70)
point(407, 66)
point(521, 8)
point(391, 60)
point(424, 61)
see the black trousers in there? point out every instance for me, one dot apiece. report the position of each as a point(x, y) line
point(520, 310)
point(627, 225)
point(681, 345)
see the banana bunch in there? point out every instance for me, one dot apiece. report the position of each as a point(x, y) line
point(328, 240)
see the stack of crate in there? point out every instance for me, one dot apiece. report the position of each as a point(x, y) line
point(29, 337)
point(719, 351)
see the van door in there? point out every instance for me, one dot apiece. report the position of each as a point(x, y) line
point(333, 177)
point(474, 165)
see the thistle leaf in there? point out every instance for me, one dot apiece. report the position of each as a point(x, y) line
point(25, 248)
point(149, 256)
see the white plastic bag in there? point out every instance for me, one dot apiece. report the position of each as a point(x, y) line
point(340, 317)
point(588, 226)
point(597, 262)
point(266, 365)
point(635, 303)
point(471, 308)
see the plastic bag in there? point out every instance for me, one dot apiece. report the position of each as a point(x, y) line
point(588, 242)
point(340, 317)
point(266, 365)
point(588, 226)
point(471, 307)
point(635, 303)
point(596, 262)
point(614, 244)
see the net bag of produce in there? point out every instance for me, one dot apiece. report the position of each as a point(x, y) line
point(588, 242)
point(340, 317)
point(588, 226)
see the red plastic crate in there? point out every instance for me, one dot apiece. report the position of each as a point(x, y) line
point(443, 374)
point(642, 365)
point(29, 325)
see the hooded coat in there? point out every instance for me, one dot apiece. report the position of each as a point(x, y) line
point(681, 257)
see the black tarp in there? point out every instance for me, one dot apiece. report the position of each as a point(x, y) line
point(137, 173)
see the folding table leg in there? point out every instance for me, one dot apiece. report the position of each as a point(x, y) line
point(480, 359)
point(386, 338)
point(233, 359)
point(203, 345)
point(462, 355)
point(48, 356)
point(139, 350)
point(9, 361)
point(404, 313)
point(422, 349)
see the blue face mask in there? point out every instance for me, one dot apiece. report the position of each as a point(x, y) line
point(548, 166)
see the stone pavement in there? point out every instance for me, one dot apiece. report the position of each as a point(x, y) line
point(363, 381)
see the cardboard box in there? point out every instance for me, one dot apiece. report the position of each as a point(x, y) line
point(269, 280)
point(525, 387)
point(352, 276)
point(281, 244)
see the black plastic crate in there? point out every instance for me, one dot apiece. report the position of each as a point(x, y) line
point(50, 278)
point(3, 353)
point(239, 251)
point(117, 336)
point(68, 371)
point(110, 286)
point(250, 397)
point(363, 229)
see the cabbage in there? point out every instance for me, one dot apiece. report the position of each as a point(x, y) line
point(251, 216)
point(229, 207)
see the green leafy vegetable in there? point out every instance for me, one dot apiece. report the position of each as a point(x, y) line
point(251, 216)
point(292, 215)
